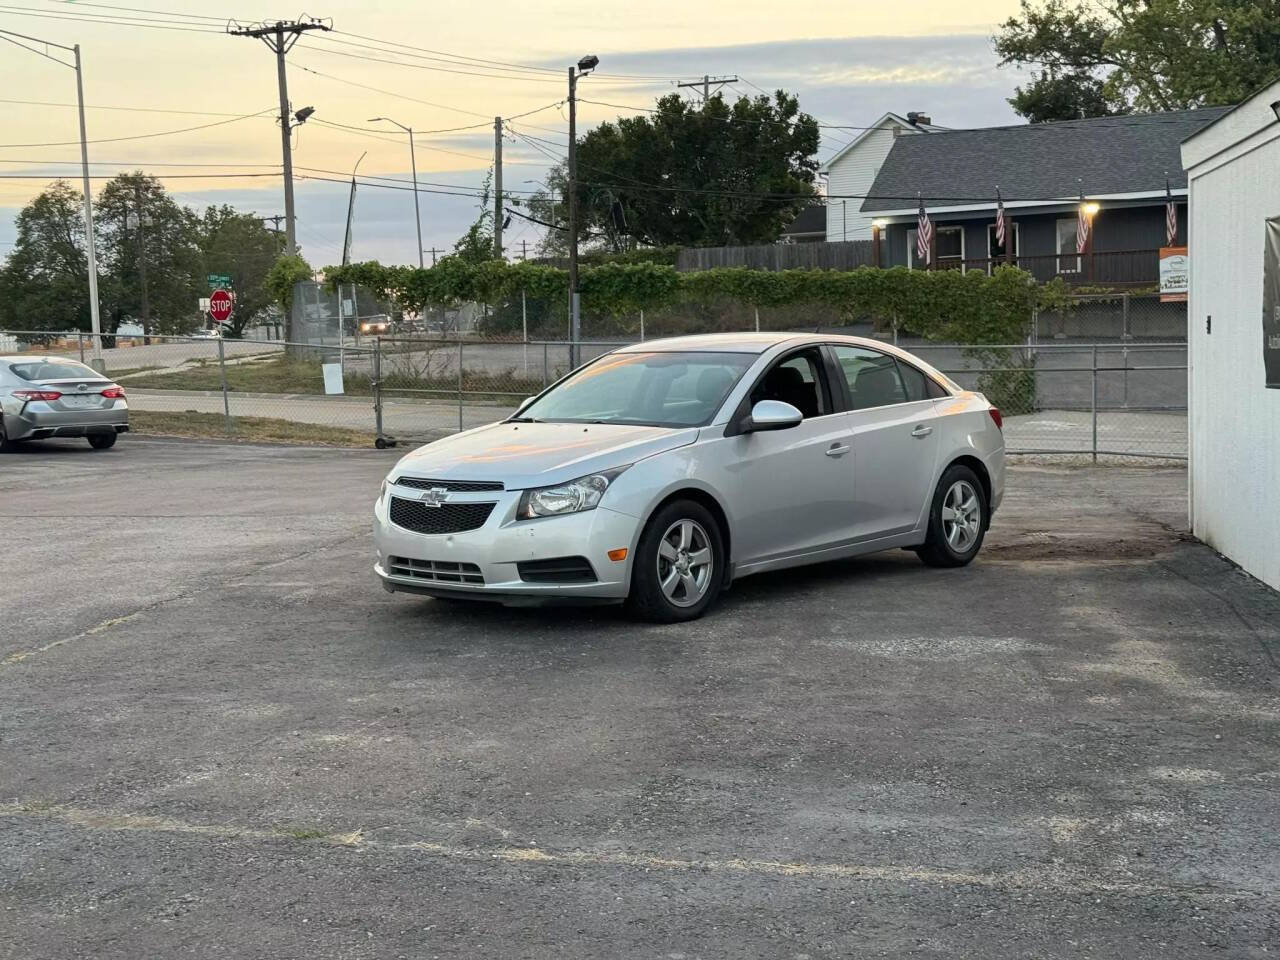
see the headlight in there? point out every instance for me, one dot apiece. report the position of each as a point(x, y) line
point(572, 497)
point(382, 491)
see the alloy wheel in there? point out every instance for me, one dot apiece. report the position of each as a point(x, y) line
point(961, 516)
point(685, 563)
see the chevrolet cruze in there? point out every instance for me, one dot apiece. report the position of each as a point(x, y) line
point(660, 473)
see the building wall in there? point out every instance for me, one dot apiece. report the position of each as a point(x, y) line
point(1234, 419)
point(853, 174)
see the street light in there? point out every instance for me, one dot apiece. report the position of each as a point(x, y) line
point(91, 256)
point(585, 66)
point(413, 160)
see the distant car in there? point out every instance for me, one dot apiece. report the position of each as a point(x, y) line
point(375, 326)
point(44, 396)
point(660, 473)
point(212, 334)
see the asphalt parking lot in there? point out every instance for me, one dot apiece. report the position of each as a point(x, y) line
point(220, 738)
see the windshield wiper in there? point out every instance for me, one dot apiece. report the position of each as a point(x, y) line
point(523, 420)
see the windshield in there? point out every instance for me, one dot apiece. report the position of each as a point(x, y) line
point(55, 370)
point(650, 389)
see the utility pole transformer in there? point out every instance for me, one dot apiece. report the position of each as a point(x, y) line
point(706, 82)
point(497, 188)
point(280, 37)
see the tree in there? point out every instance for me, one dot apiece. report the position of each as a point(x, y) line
point(476, 245)
point(1094, 58)
point(691, 175)
point(44, 285)
point(137, 220)
point(239, 245)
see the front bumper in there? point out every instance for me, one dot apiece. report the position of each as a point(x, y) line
point(36, 421)
point(501, 543)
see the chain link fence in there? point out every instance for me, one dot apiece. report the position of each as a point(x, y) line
point(1120, 392)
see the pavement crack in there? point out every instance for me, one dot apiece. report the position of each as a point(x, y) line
point(1037, 875)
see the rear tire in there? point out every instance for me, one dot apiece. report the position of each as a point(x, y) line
point(6, 445)
point(958, 518)
point(102, 441)
point(679, 564)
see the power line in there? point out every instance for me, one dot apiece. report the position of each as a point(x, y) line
point(138, 163)
point(91, 106)
point(423, 66)
point(166, 176)
point(141, 136)
point(389, 93)
point(149, 23)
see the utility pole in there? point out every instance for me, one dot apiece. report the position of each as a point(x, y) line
point(524, 250)
point(706, 82)
point(274, 36)
point(585, 65)
point(275, 220)
point(497, 188)
point(433, 251)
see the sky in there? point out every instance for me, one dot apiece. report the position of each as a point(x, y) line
point(446, 70)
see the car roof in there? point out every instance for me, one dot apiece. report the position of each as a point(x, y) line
point(750, 342)
point(33, 357)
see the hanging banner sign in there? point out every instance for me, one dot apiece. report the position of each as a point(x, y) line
point(1175, 273)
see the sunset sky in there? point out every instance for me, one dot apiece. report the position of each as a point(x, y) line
point(848, 61)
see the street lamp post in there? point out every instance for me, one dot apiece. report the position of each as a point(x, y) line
point(413, 160)
point(585, 66)
point(91, 255)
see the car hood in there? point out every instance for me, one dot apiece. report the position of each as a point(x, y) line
point(524, 455)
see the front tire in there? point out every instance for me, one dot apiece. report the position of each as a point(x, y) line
point(958, 519)
point(679, 564)
point(102, 441)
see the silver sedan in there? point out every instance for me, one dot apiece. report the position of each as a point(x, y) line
point(659, 474)
point(43, 396)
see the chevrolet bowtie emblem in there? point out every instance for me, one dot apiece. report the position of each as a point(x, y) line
point(434, 496)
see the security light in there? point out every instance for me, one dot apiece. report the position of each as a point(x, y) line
point(879, 223)
point(1089, 208)
point(588, 63)
point(301, 115)
point(1275, 108)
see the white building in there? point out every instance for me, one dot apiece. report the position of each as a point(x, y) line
point(1233, 167)
point(852, 170)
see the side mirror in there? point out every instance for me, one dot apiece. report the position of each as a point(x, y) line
point(773, 415)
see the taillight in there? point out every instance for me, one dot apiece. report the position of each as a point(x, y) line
point(114, 393)
point(995, 415)
point(37, 394)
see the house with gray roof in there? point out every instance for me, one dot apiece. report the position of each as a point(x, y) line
point(1119, 164)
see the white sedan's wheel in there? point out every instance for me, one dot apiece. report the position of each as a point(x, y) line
point(679, 564)
point(686, 563)
point(961, 516)
point(958, 518)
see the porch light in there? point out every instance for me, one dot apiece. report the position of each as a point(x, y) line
point(1089, 208)
point(880, 223)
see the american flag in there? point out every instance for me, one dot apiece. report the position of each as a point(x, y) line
point(924, 234)
point(1082, 226)
point(999, 218)
point(1170, 216)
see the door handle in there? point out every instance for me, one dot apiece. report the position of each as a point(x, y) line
point(921, 431)
point(837, 450)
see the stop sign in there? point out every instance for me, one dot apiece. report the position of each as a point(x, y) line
point(220, 304)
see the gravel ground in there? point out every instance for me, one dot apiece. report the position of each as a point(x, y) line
point(220, 738)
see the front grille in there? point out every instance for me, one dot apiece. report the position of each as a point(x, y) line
point(446, 518)
point(436, 571)
point(455, 486)
point(559, 570)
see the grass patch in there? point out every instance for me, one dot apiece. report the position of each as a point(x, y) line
point(247, 429)
point(280, 374)
point(306, 833)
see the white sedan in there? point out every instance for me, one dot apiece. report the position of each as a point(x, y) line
point(660, 473)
